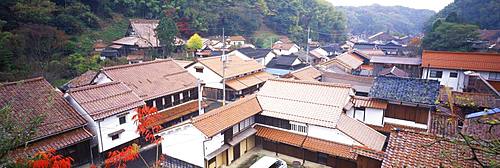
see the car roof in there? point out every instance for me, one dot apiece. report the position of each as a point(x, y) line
point(265, 161)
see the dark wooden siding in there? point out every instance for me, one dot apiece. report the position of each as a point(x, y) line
point(365, 162)
point(417, 114)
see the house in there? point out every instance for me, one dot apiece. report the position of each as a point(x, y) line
point(108, 108)
point(261, 55)
point(295, 116)
point(364, 46)
point(409, 148)
point(314, 57)
point(393, 71)
point(62, 128)
point(307, 73)
point(410, 100)
point(411, 65)
point(478, 84)
point(136, 57)
point(381, 37)
point(285, 48)
point(79, 81)
point(281, 118)
point(242, 77)
point(141, 35)
point(450, 67)
point(368, 110)
point(215, 138)
point(332, 49)
point(370, 52)
point(284, 64)
point(346, 63)
point(391, 48)
point(236, 40)
point(163, 84)
point(360, 84)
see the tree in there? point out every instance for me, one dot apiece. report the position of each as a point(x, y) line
point(48, 159)
point(15, 130)
point(194, 43)
point(167, 31)
point(451, 37)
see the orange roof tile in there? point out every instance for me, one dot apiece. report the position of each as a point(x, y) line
point(461, 60)
point(235, 65)
point(56, 142)
point(248, 80)
point(82, 80)
point(307, 73)
point(153, 78)
point(361, 133)
point(215, 121)
point(309, 143)
point(360, 101)
point(177, 111)
point(105, 100)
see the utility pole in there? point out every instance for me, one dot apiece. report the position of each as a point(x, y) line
point(224, 59)
point(307, 44)
point(198, 84)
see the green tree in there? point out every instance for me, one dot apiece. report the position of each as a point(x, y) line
point(167, 31)
point(34, 11)
point(5, 50)
point(451, 37)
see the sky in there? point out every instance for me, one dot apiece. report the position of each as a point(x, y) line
point(434, 5)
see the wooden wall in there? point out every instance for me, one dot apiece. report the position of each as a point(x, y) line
point(417, 114)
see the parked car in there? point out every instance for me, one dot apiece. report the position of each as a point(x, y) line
point(269, 162)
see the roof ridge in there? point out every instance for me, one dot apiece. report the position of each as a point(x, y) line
point(137, 64)
point(88, 87)
point(112, 108)
point(312, 82)
point(281, 98)
point(302, 117)
point(114, 95)
point(458, 52)
point(223, 108)
point(22, 81)
point(302, 69)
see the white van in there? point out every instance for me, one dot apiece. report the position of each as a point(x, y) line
point(269, 162)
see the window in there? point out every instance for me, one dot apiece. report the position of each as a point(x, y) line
point(298, 127)
point(236, 129)
point(436, 74)
point(116, 136)
point(453, 75)
point(494, 76)
point(322, 158)
point(122, 119)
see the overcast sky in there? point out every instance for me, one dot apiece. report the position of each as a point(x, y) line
point(434, 5)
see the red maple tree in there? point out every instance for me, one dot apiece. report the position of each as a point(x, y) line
point(47, 159)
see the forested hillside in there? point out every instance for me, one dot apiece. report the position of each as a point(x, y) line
point(54, 38)
point(483, 13)
point(376, 18)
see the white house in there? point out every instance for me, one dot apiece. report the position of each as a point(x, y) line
point(449, 67)
point(108, 108)
point(242, 76)
point(261, 55)
point(285, 48)
point(216, 138)
point(286, 116)
point(236, 40)
point(368, 110)
point(163, 84)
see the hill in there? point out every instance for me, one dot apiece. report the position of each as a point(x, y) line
point(376, 18)
point(484, 13)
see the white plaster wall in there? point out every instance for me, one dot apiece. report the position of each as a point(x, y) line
point(101, 78)
point(214, 143)
point(268, 58)
point(209, 77)
point(374, 116)
point(456, 83)
point(109, 125)
point(330, 134)
point(184, 143)
point(112, 124)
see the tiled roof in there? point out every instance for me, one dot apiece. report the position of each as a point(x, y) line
point(38, 97)
point(412, 149)
point(309, 143)
point(474, 99)
point(409, 90)
point(236, 38)
point(105, 100)
point(183, 63)
point(249, 80)
point(371, 52)
point(215, 121)
point(349, 59)
point(474, 124)
point(153, 78)
point(82, 80)
point(285, 62)
point(254, 52)
point(145, 30)
point(358, 83)
point(461, 60)
point(394, 71)
point(396, 60)
point(53, 142)
point(307, 73)
point(235, 66)
point(361, 132)
point(177, 111)
point(360, 101)
point(283, 46)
